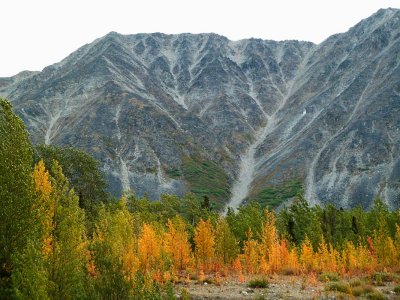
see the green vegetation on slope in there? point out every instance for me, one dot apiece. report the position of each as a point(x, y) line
point(273, 196)
point(206, 178)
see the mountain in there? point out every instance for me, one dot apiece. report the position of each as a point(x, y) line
point(229, 119)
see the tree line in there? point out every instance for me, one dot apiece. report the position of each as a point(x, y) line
point(63, 237)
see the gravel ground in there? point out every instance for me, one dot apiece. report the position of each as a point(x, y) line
point(280, 287)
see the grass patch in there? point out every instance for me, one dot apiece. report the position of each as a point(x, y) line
point(339, 286)
point(328, 277)
point(397, 290)
point(174, 173)
point(355, 282)
point(376, 295)
point(206, 178)
point(261, 283)
point(355, 288)
point(273, 196)
point(379, 278)
point(185, 294)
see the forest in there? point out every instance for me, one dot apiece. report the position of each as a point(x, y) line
point(62, 236)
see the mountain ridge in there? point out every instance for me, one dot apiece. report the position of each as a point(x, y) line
point(144, 104)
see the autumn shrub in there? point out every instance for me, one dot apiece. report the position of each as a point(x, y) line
point(289, 271)
point(361, 290)
point(204, 279)
point(357, 291)
point(260, 283)
point(368, 289)
point(328, 277)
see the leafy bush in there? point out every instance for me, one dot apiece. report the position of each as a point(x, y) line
point(362, 290)
point(397, 290)
point(380, 277)
point(261, 283)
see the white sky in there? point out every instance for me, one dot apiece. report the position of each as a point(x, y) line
point(37, 33)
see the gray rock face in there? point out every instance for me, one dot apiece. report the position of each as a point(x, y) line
point(339, 128)
point(265, 111)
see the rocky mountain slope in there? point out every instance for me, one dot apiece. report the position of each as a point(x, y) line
point(177, 113)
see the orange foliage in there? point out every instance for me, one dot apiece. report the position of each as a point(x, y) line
point(176, 244)
point(149, 249)
point(327, 258)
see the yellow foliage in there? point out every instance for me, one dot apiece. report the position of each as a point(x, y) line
point(130, 263)
point(115, 231)
point(307, 256)
point(41, 179)
point(44, 206)
point(204, 241)
point(269, 237)
point(251, 254)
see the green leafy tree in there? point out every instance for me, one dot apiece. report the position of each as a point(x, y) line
point(69, 254)
point(30, 275)
point(114, 248)
point(226, 246)
point(305, 222)
point(15, 189)
point(54, 262)
point(248, 216)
